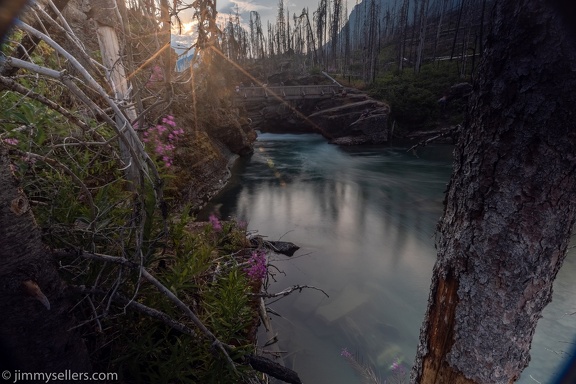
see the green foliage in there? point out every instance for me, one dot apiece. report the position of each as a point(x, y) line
point(77, 188)
point(410, 105)
point(315, 71)
point(208, 279)
point(228, 306)
point(157, 355)
point(414, 98)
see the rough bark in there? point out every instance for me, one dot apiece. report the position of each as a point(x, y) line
point(509, 210)
point(32, 337)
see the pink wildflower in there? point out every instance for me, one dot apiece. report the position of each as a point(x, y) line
point(345, 353)
point(11, 141)
point(163, 139)
point(216, 225)
point(258, 267)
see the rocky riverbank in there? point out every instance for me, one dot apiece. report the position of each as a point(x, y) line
point(349, 117)
point(208, 154)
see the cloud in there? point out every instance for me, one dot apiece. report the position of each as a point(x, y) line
point(182, 42)
point(244, 7)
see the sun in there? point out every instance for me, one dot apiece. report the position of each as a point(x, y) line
point(185, 28)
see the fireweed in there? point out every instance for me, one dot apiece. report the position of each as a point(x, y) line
point(398, 371)
point(163, 138)
point(10, 141)
point(215, 223)
point(257, 265)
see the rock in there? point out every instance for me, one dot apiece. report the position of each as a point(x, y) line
point(350, 140)
point(349, 117)
point(360, 122)
point(225, 127)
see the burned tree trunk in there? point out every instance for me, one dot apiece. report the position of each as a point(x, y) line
point(510, 206)
point(422, 35)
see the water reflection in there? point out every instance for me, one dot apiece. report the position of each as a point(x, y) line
point(365, 220)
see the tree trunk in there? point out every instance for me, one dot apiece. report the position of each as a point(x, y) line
point(439, 28)
point(33, 338)
point(106, 16)
point(423, 22)
point(510, 208)
point(457, 29)
point(402, 37)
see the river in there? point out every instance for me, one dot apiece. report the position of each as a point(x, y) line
point(365, 219)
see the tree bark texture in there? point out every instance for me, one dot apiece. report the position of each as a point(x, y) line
point(32, 337)
point(510, 204)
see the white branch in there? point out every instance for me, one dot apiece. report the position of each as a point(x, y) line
point(14, 62)
point(124, 125)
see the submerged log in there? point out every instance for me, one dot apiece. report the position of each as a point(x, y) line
point(274, 369)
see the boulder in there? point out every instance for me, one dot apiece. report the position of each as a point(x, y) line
point(361, 122)
point(348, 118)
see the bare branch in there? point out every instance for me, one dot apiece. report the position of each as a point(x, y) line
point(287, 291)
point(124, 128)
point(67, 31)
point(16, 87)
point(166, 319)
point(14, 62)
point(183, 307)
point(56, 164)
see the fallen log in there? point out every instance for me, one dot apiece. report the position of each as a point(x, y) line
point(271, 368)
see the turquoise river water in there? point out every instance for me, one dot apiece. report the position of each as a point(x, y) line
point(365, 219)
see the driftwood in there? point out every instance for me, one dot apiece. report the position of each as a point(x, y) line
point(433, 136)
point(284, 247)
point(274, 369)
point(288, 291)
